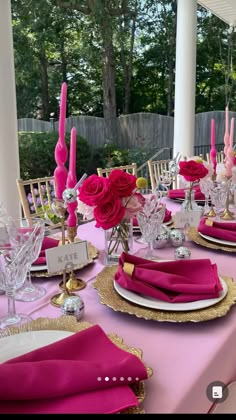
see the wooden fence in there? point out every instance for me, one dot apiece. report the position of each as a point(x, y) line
point(146, 130)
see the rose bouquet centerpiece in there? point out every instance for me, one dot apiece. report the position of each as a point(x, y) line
point(112, 202)
point(193, 171)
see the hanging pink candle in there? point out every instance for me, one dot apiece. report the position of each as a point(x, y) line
point(213, 148)
point(61, 152)
point(226, 135)
point(72, 180)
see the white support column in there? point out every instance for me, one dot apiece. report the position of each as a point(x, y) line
point(9, 151)
point(185, 78)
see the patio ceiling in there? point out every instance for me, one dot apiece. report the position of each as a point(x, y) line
point(223, 9)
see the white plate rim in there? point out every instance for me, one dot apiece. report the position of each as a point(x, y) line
point(217, 240)
point(166, 306)
point(30, 340)
point(179, 199)
point(41, 267)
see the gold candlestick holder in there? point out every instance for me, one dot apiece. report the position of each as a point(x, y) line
point(71, 233)
point(227, 214)
point(73, 284)
point(58, 300)
point(212, 212)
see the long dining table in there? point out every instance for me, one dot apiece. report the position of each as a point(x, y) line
point(185, 356)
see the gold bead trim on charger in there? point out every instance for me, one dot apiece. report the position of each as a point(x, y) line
point(69, 323)
point(109, 297)
point(198, 239)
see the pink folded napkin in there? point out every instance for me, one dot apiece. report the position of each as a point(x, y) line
point(220, 230)
point(74, 375)
point(179, 193)
point(167, 217)
point(170, 281)
point(46, 244)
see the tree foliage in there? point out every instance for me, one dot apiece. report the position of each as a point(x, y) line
point(116, 57)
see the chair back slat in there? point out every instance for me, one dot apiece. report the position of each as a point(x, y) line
point(132, 169)
point(42, 193)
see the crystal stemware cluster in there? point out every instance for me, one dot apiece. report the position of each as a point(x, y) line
point(13, 270)
point(150, 219)
point(19, 231)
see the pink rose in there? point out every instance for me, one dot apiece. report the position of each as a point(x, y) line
point(192, 170)
point(109, 214)
point(122, 183)
point(132, 205)
point(94, 190)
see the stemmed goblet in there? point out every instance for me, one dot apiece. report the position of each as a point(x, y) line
point(218, 194)
point(18, 231)
point(150, 218)
point(205, 185)
point(13, 269)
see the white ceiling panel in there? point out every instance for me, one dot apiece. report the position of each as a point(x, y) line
point(224, 9)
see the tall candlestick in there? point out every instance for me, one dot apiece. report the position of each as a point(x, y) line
point(231, 134)
point(229, 162)
point(213, 149)
point(61, 152)
point(72, 180)
point(226, 135)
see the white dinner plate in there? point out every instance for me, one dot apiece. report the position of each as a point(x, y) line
point(180, 200)
point(153, 303)
point(16, 345)
point(217, 240)
point(41, 267)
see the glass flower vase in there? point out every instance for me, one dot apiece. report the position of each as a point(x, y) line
point(118, 239)
point(189, 203)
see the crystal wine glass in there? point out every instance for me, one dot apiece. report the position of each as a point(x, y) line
point(150, 218)
point(146, 192)
point(218, 194)
point(18, 231)
point(13, 269)
point(205, 185)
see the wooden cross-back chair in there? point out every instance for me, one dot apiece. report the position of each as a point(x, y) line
point(36, 197)
point(131, 169)
point(219, 157)
point(158, 172)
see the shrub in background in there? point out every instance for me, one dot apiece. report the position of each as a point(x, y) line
point(36, 151)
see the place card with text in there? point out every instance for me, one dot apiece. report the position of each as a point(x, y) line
point(187, 218)
point(75, 253)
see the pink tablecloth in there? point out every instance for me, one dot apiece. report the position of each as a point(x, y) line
point(185, 357)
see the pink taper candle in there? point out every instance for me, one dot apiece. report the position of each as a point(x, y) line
point(72, 180)
point(213, 149)
point(61, 152)
point(226, 135)
point(229, 161)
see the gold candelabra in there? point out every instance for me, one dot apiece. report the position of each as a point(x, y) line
point(73, 283)
point(227, 214)
point(212, 212)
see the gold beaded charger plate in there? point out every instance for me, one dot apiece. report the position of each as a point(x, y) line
point(44, 331)
point(194, 235)
point(41, 271)
point(104, 284)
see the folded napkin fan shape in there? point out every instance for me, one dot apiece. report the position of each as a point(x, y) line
point(170, 281)
point(180, 193)
point(219, 230)
point(46, 244)
point(68, 376)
